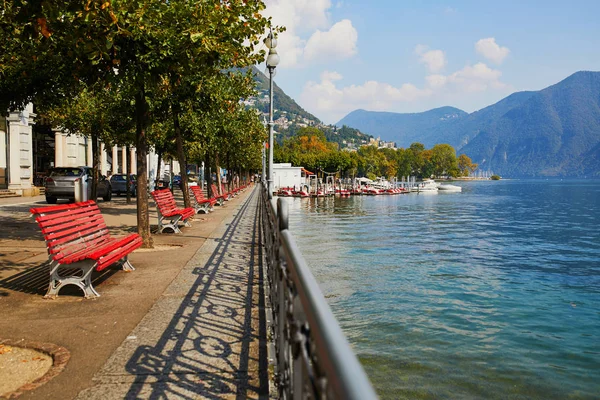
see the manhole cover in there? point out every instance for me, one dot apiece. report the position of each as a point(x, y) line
point(26, 365)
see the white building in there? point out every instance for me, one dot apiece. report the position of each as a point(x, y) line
point(284, 175)
point(26, 155)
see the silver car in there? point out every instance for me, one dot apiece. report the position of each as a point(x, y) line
point(60, 184)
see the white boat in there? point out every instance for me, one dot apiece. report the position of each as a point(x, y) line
point(449, 188)
point(428, 185)
point(381, 184)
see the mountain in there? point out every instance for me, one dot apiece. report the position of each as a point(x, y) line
point(551, 132)
point(280, 99)
point(404, 129)
point(554, 132)
point(289, 117)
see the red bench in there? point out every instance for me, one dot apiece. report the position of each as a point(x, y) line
point(219, 197)
point(169, 215)
point(78, 241)
point(201, 203)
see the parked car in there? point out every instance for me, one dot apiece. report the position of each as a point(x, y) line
point(118, 182)
point(192, 180)
point(177, 181)
point(60, 184)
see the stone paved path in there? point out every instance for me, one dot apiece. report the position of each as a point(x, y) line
point(206, 335)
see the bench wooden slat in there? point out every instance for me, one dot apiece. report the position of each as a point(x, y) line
point(55, 217)
point(60, 207)
point(74, 233)
point(92, 219)
point(74, 252)
point(64, 246)
point(119, 253)
point(114, 244)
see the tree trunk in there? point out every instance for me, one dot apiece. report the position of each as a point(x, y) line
point(181, 155)
point(95, 163)
point(208, 177)
point(219, 187)
point(159, 152)
point(128, 181)
point(142, 118)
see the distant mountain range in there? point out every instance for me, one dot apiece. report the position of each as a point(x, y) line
point(551, 132)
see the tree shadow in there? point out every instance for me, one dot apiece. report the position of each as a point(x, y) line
point(207, 348)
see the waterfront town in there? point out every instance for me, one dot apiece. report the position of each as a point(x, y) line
point(415, 216)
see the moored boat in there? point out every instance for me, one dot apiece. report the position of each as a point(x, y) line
point(427, 186)
point(449, 188)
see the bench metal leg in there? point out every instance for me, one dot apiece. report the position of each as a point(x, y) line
point(168, 223)
point(126, 265)
point(187, 223)
point(82, 279)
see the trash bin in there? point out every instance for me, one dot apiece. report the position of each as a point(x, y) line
point(81, 192)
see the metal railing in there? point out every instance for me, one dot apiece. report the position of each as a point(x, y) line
point(313, 357)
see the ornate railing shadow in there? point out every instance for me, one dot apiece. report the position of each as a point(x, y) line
point(205, 349)
point(314, 358)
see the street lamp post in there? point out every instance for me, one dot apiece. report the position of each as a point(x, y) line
point(263, 177)
point(264, 174)
point(272, 61)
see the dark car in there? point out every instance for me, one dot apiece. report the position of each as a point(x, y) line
point(60, 184)
point(118, 182)
point(177, 181)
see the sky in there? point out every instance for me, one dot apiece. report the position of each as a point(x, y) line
point(411, 56)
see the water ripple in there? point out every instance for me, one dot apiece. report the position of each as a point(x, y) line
point(490, 293)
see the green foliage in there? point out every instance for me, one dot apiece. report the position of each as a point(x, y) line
point(495, 177)
point(144, 63)
point(310, 149)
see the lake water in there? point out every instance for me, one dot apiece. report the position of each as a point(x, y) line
point(489, 293)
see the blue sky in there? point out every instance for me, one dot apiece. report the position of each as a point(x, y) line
point(411, 56)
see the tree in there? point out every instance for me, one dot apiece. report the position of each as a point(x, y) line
point(465, 165)
point(443, 159)
point(136, 45)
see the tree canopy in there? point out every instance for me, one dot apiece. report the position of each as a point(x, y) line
point(167, 69)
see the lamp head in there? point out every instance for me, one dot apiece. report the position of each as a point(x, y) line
point(270, 41)
point(272, 58)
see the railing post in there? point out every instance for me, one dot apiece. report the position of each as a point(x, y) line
point(282, 214)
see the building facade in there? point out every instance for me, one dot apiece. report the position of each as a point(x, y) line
point(27, 154)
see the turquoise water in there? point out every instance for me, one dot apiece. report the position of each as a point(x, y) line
point(490, 293)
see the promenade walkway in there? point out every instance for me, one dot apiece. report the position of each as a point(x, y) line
point(205, 336)
point(188, 323)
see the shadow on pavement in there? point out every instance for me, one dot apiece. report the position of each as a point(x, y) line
point(35, 280)
point(207, 347)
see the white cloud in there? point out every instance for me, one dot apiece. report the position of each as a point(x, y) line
point(491, 50)
point(434, 59)
point(310, 35)
point(436, 81)
point(476, 78)
point(330, 76)
point(337, 43)
point(332, 101)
